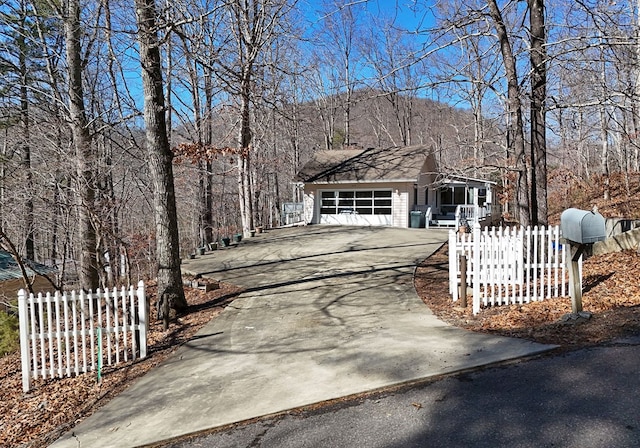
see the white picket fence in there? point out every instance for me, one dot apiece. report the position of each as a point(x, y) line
point(509, 265)
point(76, 332)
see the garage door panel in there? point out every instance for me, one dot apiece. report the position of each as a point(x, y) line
point(356, 220)
point(356, 207)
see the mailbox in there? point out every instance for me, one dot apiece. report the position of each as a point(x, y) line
point(581, 226)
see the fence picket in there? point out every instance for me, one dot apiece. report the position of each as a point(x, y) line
point(24, 335)
point(50, 335)
point(43, 356)
point(92, 331)
point(107, 316)
point(67, 342)
point(56, 299)
point(72, 320)
point(453, 260)
point(83, 328)
point(143, 315)
point(476, 275)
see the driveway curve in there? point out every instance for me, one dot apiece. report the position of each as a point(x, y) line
point(328, 312)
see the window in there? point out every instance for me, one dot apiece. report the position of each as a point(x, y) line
point(363, 202)
point(458, 195)
point(482, 196)
point(382, 202)
point(453, 196)
point(328, 203)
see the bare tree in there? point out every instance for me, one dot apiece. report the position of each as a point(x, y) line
point(82, 142)
point(170, 288)
point(538, 57)
point(253, 24)
point(515, 125)
point(391, 54)
point(16, 67)
point(340, 28)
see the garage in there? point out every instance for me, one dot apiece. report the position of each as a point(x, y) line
point(372, 187)
point(356, 207)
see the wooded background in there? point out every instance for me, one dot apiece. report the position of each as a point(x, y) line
point(516, 91)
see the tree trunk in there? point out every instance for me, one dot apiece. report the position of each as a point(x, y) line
point(208, 140)
point(635, 102)
point(347, 104)
point(538, 56)
point(515, 131)
point(3, 157)
point(170, 288)
point(604, 155)
point(84, 185)
point(244, 143)
point(26, 153)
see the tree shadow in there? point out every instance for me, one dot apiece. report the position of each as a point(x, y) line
point(591, 281)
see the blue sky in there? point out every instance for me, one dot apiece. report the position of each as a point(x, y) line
point(402, 9)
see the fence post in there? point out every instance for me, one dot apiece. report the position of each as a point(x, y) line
point(142, 319)
point(24, 339)
point(475, 268)
point(463, 280)
point(453, 271)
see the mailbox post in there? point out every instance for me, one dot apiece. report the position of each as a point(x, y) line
point(580, 228)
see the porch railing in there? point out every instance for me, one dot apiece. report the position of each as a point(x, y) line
point(473, 214)
point(467, 215)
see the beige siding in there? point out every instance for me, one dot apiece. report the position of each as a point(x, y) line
point(401, 200)
point(310, 215)
point(426, 194)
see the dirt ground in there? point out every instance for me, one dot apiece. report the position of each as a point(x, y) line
point(52, 407)
point(611, 293)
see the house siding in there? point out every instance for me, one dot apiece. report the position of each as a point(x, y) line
point(310, 216)
point(427, 177)
point(401, 200)
point(411, 188)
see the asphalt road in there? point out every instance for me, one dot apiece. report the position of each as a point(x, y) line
point(585, 398)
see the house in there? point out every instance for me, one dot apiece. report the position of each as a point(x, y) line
point(11, 280)
point(399, 187)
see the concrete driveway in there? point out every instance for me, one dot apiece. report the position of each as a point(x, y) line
point(328, 312)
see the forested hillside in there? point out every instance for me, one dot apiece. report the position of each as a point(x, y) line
point(538, 96)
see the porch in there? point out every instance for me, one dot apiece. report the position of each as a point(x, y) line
point(455, 201)
point(486, 216)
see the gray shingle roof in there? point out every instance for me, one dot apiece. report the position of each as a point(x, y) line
point(372, 165)
point(9, 269)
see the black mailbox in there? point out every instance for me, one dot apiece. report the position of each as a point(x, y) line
point(581, 226)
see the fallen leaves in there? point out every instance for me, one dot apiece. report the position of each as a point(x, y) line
point(611, 292)
point(54, 406)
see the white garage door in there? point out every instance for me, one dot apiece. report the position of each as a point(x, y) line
point(356, 207)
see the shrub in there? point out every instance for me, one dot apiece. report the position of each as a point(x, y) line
point(9, 333)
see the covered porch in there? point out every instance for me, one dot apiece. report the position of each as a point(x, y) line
point(457, 201)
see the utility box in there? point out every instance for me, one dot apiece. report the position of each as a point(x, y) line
point(582, 226)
